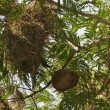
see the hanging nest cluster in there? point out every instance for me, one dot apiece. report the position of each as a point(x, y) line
point(26, 38)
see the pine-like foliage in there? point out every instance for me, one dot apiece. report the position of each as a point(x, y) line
point(38, 38)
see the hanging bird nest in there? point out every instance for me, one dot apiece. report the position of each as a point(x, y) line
point(64, 79)
point(26, 38)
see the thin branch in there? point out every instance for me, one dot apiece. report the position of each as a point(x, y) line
point(93, 16)
point(25, 88)
point(68, 60)
point(86, 2)
point(34, 103)
point(95, 43)
point(71, 57)
point(35, 92)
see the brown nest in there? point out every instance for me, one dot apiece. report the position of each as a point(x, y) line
point(26, 38)
point(64, 79)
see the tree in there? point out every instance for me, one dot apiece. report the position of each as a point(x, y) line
point(39, 38)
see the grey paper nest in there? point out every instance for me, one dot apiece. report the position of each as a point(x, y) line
point(26, 38)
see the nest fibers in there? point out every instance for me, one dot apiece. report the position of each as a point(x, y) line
point(25, 38)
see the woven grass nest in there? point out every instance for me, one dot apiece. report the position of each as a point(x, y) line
point(64, 79)
point(26, 38)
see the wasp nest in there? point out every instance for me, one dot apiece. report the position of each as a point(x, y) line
point(63, 80)
point(25, 38)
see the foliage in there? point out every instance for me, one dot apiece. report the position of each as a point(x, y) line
point(79, 41)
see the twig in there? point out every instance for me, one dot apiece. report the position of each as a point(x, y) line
point(99, 42)
point(25, 88)
point(35, 103)
point(35, 92)
point(68, 60)
point(104, 21)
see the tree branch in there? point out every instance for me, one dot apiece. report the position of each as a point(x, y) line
point(35, 92)
point(95, 43)
point(93, 16)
